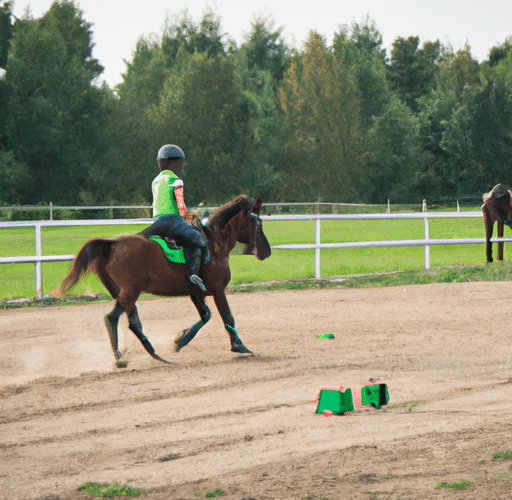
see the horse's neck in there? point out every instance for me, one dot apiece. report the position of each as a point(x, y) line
point(225, 240)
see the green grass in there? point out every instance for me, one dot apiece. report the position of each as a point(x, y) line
point(455, 486)
point(17, 280)
point(507, 455)
point(111, 490)
point(212, 494)
point(408, 405)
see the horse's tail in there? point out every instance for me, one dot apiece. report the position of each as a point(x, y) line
point(95, 248)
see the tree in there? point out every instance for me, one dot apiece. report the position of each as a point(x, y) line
point(203, 37)
point(155, 76)
point(265, 50)
point(434, 178)
point(444, 120)
point(66, 18)
point(478, 137)
point(6, 31)
point(321, 103)
point(392, 155)
point(13, 178)
point(260, 63)
point(500, 52)
point(200, 111)
point(53, 110)
point(458, 71)
point(145, 75)
point(360, 48)
point(412, 71)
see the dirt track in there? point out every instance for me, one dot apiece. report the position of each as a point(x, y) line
point(247, 425)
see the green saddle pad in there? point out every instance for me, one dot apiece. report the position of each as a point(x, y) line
point(174, 255)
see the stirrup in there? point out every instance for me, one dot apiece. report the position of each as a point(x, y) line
point(196, 280)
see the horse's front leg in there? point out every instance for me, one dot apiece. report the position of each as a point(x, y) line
point(488, 224)
point(229, 323)
point(500, 243)
point(205, 314)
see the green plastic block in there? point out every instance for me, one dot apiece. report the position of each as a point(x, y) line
point(336, 401)
point(342, 402)
point(376, 395)
point(329, 335)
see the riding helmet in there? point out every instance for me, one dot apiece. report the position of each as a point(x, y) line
point(170, 151)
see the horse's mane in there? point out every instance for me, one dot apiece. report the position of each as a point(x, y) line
point(226, 212)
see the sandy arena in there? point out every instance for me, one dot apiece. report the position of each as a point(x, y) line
point(247, 424)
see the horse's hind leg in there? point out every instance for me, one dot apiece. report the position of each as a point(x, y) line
point(111, 322)
point(111, 319)
point(136, 327)
point(188, 335)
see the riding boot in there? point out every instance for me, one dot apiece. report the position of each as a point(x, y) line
point(193, 257)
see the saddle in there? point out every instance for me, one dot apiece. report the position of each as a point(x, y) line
point(174, 253)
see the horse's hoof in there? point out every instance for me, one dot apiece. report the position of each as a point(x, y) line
point(240, 349)
point(117, 354)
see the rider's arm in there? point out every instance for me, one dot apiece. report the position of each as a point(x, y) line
point(179, 196)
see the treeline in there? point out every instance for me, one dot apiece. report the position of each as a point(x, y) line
point(340, 122)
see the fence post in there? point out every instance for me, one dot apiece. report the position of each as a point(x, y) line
point(388, 210)
point(427, 247)
point(39, 267)
point(317, 249)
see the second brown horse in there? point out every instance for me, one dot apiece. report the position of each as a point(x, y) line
point(496, 208)
point(130, 265)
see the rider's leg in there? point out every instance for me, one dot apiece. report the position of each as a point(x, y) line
point(195, 251)
point(193, 258)
point(164, 226)
point(186, 236)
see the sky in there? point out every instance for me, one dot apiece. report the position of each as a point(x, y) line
point(118, 24)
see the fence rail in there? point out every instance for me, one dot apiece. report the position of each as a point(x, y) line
point(270, 208)
point(38, 258)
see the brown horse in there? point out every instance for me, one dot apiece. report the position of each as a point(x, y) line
point(496, 208)
point(130, 265)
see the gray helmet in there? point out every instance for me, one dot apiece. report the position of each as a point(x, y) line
point(170, 151)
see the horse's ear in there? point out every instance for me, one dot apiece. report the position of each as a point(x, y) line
point(257, 204)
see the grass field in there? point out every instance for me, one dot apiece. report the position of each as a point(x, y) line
point(18, 280)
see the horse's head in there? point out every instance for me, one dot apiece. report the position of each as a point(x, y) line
point(239, 220)
point(257, 243)
point(498, 204)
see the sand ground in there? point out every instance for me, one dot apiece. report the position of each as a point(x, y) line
point(247, 424)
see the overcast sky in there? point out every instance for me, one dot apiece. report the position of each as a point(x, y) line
point(117, 24)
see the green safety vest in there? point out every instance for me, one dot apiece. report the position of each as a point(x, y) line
point(163, 186)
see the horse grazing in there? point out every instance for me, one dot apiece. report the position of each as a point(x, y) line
point(497, 207)
point(130, 265)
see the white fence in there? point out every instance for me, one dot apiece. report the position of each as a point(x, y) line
point(38, 258)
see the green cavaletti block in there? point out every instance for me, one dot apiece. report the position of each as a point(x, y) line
point(336, 401)
point(377, 395)
point(329, 335)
